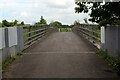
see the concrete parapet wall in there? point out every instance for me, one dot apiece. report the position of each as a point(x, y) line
point(112, 40)
point(12, 41)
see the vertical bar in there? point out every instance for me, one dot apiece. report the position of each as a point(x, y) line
point(6, 54)
point(102, 37)
point(13, 42)
point(29, 35)
point(2, 48)
point(20, 44)
point(6, 38)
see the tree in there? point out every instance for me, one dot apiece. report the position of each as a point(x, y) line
point(42, 20)
point(107, 13)
point(22, 23)
point(56, 24)
point(0, 24)
point(86, 20)
point(66, 26)
point(76, 22)
point(5, 23)
point(10, 24)
point(15, 22)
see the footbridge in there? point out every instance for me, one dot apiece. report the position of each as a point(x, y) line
point(49, 53)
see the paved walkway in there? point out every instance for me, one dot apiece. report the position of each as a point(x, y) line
point(60, 55)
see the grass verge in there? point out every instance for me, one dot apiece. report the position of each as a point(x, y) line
point(8, 61)
point(114, 62)
point(65, 29)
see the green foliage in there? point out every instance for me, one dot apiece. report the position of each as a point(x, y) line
point(103, 23)
point(108, 12)
point(65, 29)
point(56, 24)
point(42, 20)
point(15, 22)
point(10, 60)
point(7, 62)
point(5, 23)
point(86, 20)
point(65, 26)
point(112, 61)
point(0, 24)
point(22, 23)
point(76, 22)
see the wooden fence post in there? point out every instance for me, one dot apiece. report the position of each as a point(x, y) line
point(29, 35)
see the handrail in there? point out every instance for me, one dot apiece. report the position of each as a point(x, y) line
point(35, 31)
point(91, 32)
point(32, 34)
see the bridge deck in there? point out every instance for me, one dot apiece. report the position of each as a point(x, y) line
point(60, 55)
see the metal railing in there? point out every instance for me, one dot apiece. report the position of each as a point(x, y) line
point(91, 32)
point(34, 33)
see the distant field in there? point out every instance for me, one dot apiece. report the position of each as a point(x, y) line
point(65, 29)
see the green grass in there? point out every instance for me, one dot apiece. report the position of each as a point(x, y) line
point(65, 29)
point(8, 61)
point(114, 62)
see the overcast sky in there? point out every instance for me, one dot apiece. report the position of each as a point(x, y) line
point(30, 11)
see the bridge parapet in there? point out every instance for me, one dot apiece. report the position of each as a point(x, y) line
point(111, 40)
point(90, 32)
point(16, 39)
point(106, 37)
point(35, 33)
point(32, 34)
point(11, 39)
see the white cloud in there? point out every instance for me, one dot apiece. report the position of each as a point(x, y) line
point(60, 4)
point(57, 3)
point(24, 14)
point(36, 5)
point(1, 6)
point(31, 10)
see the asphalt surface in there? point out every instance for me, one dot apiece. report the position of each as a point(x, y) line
point(60, 55)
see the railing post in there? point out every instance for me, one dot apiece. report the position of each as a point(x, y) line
point(2, 45)
point(29, 35)
point(13, 40)
point(6, 49)
point(93, 32)
point(20, 44)
point(103, 37)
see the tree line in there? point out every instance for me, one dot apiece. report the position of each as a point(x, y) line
point(42, 21)
point(52, 23)
point(5, 23)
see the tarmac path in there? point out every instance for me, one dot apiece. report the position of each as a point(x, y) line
point(60, 55)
